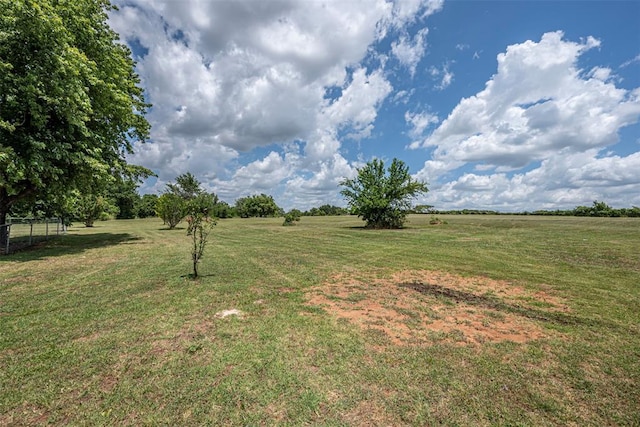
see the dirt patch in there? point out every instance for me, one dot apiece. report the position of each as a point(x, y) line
point(424, 307)
point(108, 383)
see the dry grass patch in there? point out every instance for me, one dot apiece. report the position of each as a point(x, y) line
point(422, 307)
point(189, 338)
point(368, 413)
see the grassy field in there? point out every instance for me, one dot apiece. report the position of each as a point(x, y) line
point(485, 320)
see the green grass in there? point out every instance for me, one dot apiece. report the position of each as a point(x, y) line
point(102, 326)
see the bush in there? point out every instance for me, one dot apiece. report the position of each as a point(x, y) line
point(292, 217)
point(436, 221)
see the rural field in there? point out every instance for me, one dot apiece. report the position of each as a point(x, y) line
point(484, 320)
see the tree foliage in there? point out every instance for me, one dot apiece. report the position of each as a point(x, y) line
point(91, 207)
point(259, 205)
point(182, 198)
point(186, 186)
point(222, 210)
point(382, 197)
point(123, 190)
point(600, 209)
point(199, 226)
point(203, 203)
point(146, 206)
point(171, 208)
point(292, 217)
point(70, 101)
point(326, 210)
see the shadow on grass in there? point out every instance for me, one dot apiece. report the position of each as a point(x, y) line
point(365, 228)
point(195, 279)
point(496, 304)
point(67, 245)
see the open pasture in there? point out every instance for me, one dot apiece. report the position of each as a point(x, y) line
point(484, 320)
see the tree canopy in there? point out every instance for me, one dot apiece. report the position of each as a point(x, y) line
point(259, 205)
point(146, 206)
point(382, 198)
point(186, 186)
point(185, 197)
point(171, 208)
point(70, 101)
point(325, 210)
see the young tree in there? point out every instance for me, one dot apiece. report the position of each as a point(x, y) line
point(200, 224)
point(382, 198)
point(199, 228)
point(182, 198)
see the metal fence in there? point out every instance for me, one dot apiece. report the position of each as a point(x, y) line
point(20, 233)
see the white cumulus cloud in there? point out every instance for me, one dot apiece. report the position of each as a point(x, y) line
point(538, 110)
point(409, 51)
point(228, 77)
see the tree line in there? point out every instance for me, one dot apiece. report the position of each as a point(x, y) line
point(597, 209)
point(121, 200)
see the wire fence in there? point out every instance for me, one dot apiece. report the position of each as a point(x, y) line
point(20, 233)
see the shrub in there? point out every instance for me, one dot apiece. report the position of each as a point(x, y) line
point(292, 217)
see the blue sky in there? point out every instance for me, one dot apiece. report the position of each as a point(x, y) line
point(506, 105)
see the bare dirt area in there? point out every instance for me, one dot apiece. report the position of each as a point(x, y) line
point(425, 307)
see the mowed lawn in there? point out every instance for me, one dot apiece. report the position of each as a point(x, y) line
point(485, 320)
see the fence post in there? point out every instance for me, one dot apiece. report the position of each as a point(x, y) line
point(30, 232)
point(8, 236)
point(6, 251)
point(46, 229)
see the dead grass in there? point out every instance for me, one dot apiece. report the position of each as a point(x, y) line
point(187, 338)
point(421, 307)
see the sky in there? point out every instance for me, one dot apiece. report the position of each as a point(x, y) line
point(501, 105)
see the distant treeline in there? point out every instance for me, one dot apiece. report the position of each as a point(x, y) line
point(598, 209)
point(326, 210)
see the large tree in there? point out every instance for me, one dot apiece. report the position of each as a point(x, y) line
point(382, 198)
point(70, 101)
point(259, 205)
